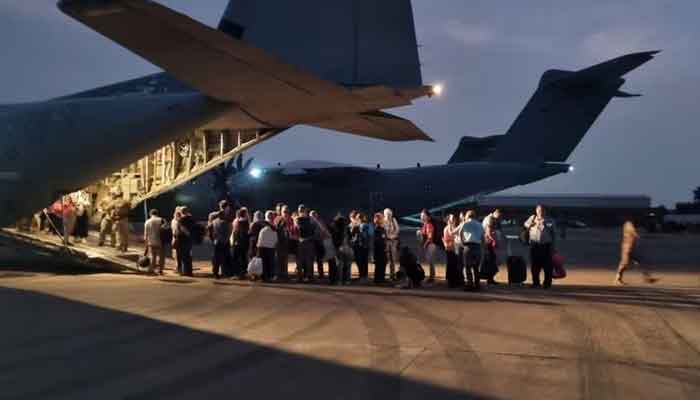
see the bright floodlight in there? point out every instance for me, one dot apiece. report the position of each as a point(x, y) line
point(437, 89)
point(256, 173)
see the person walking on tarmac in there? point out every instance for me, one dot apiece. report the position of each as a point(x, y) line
point(121, 220)
point(630, 253)
point(542, 234)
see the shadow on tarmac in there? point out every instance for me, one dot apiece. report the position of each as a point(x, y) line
point(48, 353)
point(642, 296)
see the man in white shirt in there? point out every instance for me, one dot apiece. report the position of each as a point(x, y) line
point(472, 242)
point(542, 236)
point(152, 239)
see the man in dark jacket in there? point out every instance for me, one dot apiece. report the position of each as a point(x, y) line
point(306, 254)
point(184, 241)
point(219, 228)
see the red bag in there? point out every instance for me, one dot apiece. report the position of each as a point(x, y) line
point(558, 271)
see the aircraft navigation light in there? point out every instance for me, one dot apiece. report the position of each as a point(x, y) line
point(437, 89)
point(571, 168)
point(256, 173)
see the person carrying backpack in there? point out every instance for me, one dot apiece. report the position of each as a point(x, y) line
point(306, 254)
point(542, 237)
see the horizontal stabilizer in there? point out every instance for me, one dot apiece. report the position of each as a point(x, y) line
point(209, 60)
point(609, 71)
point(623, 94)
point(377, 125)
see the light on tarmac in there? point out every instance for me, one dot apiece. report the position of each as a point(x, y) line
point(437, 89)
point(256, 173)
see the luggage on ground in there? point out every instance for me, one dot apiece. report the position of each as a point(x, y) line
point(143, 260)
point(558, 270)
point(255, 267)
point(517, 270)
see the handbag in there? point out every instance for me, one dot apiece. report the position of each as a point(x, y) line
point(255, 266)
point(347, 252)
point(144, 261)
point(524, 236)
point(558, 270)
point(328, 249)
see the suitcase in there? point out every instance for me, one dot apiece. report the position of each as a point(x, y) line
point(517, 270)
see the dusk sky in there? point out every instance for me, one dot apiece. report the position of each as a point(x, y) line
point(489, 54)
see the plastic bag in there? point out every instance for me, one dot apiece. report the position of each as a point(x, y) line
point(255, 267)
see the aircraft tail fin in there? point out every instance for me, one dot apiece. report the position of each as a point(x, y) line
point(563, 109)
point(350, 42)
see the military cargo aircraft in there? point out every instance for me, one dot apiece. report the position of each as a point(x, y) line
point(270, 65)
point(537, 146)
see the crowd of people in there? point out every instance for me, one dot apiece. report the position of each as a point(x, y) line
point(473, 249)
point(260, 247)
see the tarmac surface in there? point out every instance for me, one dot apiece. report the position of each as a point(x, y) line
point(72, 333)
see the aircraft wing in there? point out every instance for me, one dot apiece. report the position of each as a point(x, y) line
point(377, 125)
point(209, 60)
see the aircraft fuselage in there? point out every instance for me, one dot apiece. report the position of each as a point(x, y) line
point(56, 147)
point(341, 189)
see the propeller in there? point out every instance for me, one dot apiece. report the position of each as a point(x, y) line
point(225, 173)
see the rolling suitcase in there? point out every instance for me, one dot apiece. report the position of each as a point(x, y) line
point(517, 267)
point(517, 270)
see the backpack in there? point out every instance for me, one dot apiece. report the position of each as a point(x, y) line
point(438, 229)
point(240, 237)
point(282, 236)
point(357, 237)
point(198, 232)
point(166, 234)
point(524, 235)
point(306, 228)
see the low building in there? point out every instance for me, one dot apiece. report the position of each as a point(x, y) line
point(591, 209)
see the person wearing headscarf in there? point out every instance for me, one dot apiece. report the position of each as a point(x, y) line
point(255, 228)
